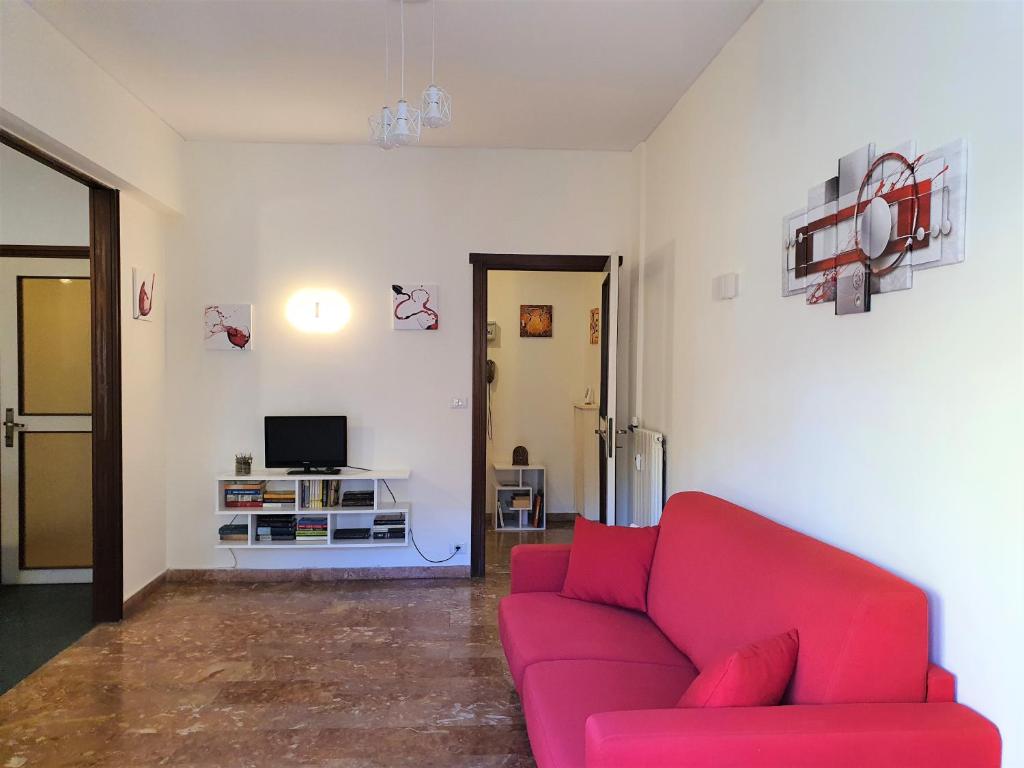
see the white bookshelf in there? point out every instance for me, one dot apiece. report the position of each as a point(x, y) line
point(337, 516)
point(511, 480)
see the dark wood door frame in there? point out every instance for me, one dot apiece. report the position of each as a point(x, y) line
point(482, 264)
point(105, 273)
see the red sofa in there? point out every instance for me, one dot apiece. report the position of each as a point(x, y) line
point(599, 684)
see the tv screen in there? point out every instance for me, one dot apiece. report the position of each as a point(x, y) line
point(306, 441)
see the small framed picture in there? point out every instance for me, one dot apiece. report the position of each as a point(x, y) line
point(227, 327)
point(142, 294)
point(595, 325)
point(536, 321)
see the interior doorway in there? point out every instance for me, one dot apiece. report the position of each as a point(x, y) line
point(522, 485)
point(60, 395)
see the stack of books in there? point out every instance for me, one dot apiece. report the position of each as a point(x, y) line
point(357, 499)
point(234, 532)
point(243, 494)
point(279, 498)
point(389, 526)
point(320, 494)
point(311, 529)
point(275, 528)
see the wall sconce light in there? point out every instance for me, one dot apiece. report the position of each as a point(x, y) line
point(318, 311)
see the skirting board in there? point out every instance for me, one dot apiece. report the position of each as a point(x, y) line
point(200, 575)
point(135, 602)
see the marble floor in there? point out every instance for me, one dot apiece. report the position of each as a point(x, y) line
point(365, 674)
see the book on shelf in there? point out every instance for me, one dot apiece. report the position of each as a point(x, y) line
point(234, 532)
point(538, 509)
point(357, 499)
point(319, 494)
point(243, 494)
point(520, 501)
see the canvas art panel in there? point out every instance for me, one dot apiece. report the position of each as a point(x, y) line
point(415, 307)
point(883, 216)
point(595, 325)
point(142, 294)
point(536, 321)
point(227, 327)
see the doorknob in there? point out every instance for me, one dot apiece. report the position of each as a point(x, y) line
point(9, 426)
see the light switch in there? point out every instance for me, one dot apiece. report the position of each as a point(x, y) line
point(457, 402)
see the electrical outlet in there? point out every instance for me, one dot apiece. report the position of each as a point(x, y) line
point(457, 547)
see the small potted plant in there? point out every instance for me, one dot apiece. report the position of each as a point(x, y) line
point(243, 463)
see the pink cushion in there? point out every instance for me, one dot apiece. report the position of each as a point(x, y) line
point(559, 696)
point(755, 676)
point(610, 564)
point(724, 577)
point(542, 626)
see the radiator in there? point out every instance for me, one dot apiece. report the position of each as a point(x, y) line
point(648, 476)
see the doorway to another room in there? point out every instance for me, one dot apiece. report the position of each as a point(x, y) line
point(544, 340)
point(60, 463)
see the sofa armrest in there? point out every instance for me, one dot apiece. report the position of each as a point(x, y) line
point(811, 736)
point(539, 567)
point(941, 685)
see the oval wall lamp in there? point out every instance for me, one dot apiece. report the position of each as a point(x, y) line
point(314, 310)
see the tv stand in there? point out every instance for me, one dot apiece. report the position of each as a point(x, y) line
point(339, 517)
point(315, 471)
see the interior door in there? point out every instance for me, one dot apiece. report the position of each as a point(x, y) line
point(607, 429)
point(46, 401)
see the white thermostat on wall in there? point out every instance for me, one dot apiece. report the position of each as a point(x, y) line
point(724, 287)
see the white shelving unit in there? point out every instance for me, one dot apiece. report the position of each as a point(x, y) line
point(511, 480)
point(337, 516)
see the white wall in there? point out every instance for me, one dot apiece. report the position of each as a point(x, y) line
point(55, 96)
point(539, 379)
point(144, 236)
point(39, 206)
point(262, 221)
point(896, 434)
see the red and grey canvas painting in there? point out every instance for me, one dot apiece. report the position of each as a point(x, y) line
point(880, 218)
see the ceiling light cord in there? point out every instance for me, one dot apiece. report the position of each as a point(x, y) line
point(387, 51)
point(433, 39)
point(402, 6)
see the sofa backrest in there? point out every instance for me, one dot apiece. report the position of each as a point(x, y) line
point(724, 577)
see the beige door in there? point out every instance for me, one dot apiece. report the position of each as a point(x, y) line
point(46, 401)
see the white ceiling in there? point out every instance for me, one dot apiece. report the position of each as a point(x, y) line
point(579, 74)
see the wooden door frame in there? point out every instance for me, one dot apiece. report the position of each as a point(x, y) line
point(482, 264)
point(105, 280)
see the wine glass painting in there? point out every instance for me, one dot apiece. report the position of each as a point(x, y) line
point(227, 327)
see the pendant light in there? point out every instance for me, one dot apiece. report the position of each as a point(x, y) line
point(382, 124)
point(406, 126)
point(437, 104)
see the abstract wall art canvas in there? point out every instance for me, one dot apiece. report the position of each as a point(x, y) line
point(595, 325)
point(227, 327)
point(536, 321)
point(142, 294)
point(415, 307)
point(882, 217)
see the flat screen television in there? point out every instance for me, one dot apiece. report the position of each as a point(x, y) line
point(306, 443)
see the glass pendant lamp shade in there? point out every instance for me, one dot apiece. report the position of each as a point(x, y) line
point(437, 107)
point(382, 128)
point(406, 128)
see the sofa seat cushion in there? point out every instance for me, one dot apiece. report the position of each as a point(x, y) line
point(559, 696)
point(543, 626)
